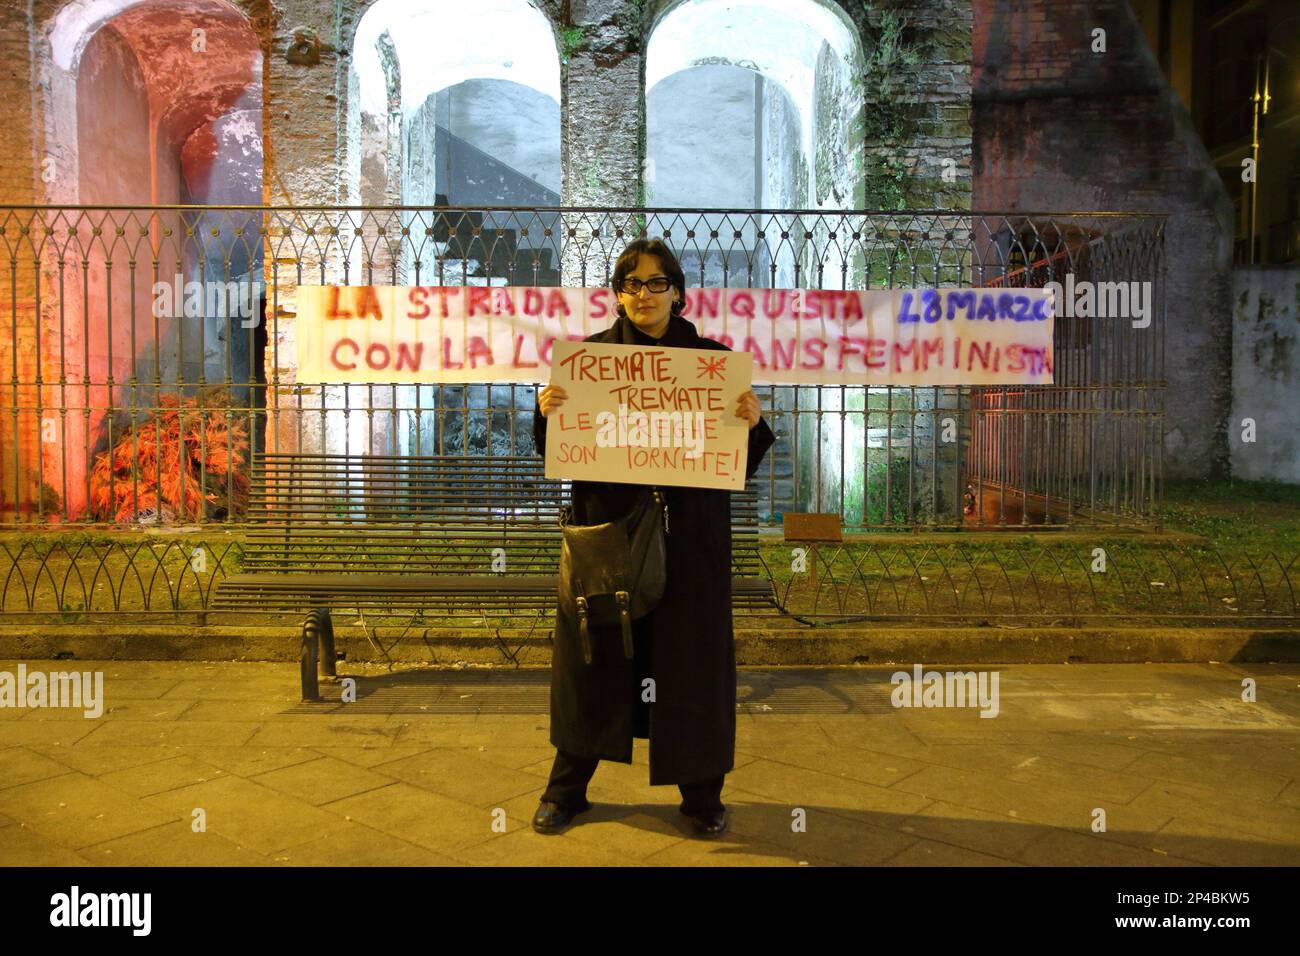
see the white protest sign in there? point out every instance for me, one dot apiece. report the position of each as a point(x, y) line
point(648, 415)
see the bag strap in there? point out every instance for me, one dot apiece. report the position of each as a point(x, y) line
point(564, 515)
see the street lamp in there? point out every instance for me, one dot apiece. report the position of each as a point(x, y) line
point(1259, 109)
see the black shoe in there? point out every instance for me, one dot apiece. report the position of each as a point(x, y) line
point(709, 823)
point(552, 817)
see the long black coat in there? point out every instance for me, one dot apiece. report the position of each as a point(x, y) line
point(692, 728)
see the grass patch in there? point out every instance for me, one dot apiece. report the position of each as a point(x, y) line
point(1251, 516)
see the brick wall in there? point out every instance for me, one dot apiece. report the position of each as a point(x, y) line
point(1059, 127)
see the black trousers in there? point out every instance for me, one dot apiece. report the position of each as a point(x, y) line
point(570, 773)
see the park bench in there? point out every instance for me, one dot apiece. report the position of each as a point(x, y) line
point(465, 538)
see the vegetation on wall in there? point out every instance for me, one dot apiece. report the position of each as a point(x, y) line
point(593, 175)
point(882, 126)
point(572, 39)
point(888, 490)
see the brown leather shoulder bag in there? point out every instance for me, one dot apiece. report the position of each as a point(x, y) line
point(614, 573)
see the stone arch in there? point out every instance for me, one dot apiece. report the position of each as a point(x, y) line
point(148, 102)
point(475, 123)
point(184, 80)
point(398, 92)
point(760, 95)
point(775, 77)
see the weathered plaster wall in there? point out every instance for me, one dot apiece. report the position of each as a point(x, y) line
point(700, 138)
point(1266, 373)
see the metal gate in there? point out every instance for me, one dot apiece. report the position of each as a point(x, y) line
point(133, 401)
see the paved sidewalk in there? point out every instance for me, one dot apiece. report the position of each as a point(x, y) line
point(446, 767)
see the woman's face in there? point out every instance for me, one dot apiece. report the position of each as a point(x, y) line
point(649, 311)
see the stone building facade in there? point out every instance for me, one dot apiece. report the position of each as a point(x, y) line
point(784, 104)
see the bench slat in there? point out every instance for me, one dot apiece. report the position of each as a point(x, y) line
point(378, 531)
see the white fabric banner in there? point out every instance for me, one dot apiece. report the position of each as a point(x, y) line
point(427, 334)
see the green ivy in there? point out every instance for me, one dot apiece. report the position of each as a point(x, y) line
point(885, 186)
point(592, 176)
point(882, 120)
point(571, 41)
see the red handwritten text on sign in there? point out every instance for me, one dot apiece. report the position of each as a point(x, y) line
point(649, 416)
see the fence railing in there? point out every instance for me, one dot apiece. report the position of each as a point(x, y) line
point(149, 354)
point(78, 578)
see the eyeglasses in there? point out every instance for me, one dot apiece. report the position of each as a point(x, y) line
point(657, 284)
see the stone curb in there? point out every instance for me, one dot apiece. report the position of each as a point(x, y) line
point(776, 647)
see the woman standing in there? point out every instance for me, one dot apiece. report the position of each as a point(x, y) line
point(688, 711)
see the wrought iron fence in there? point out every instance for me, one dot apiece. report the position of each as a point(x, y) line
point(135, 401)
point(80, 578)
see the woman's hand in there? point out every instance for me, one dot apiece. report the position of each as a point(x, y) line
point(749, 409)
point(551, 398)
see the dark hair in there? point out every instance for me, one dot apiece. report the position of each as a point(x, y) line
point(627, 262)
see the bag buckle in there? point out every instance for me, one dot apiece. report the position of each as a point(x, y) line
point(664, 502)
point(625, 620)
point(584, 635)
